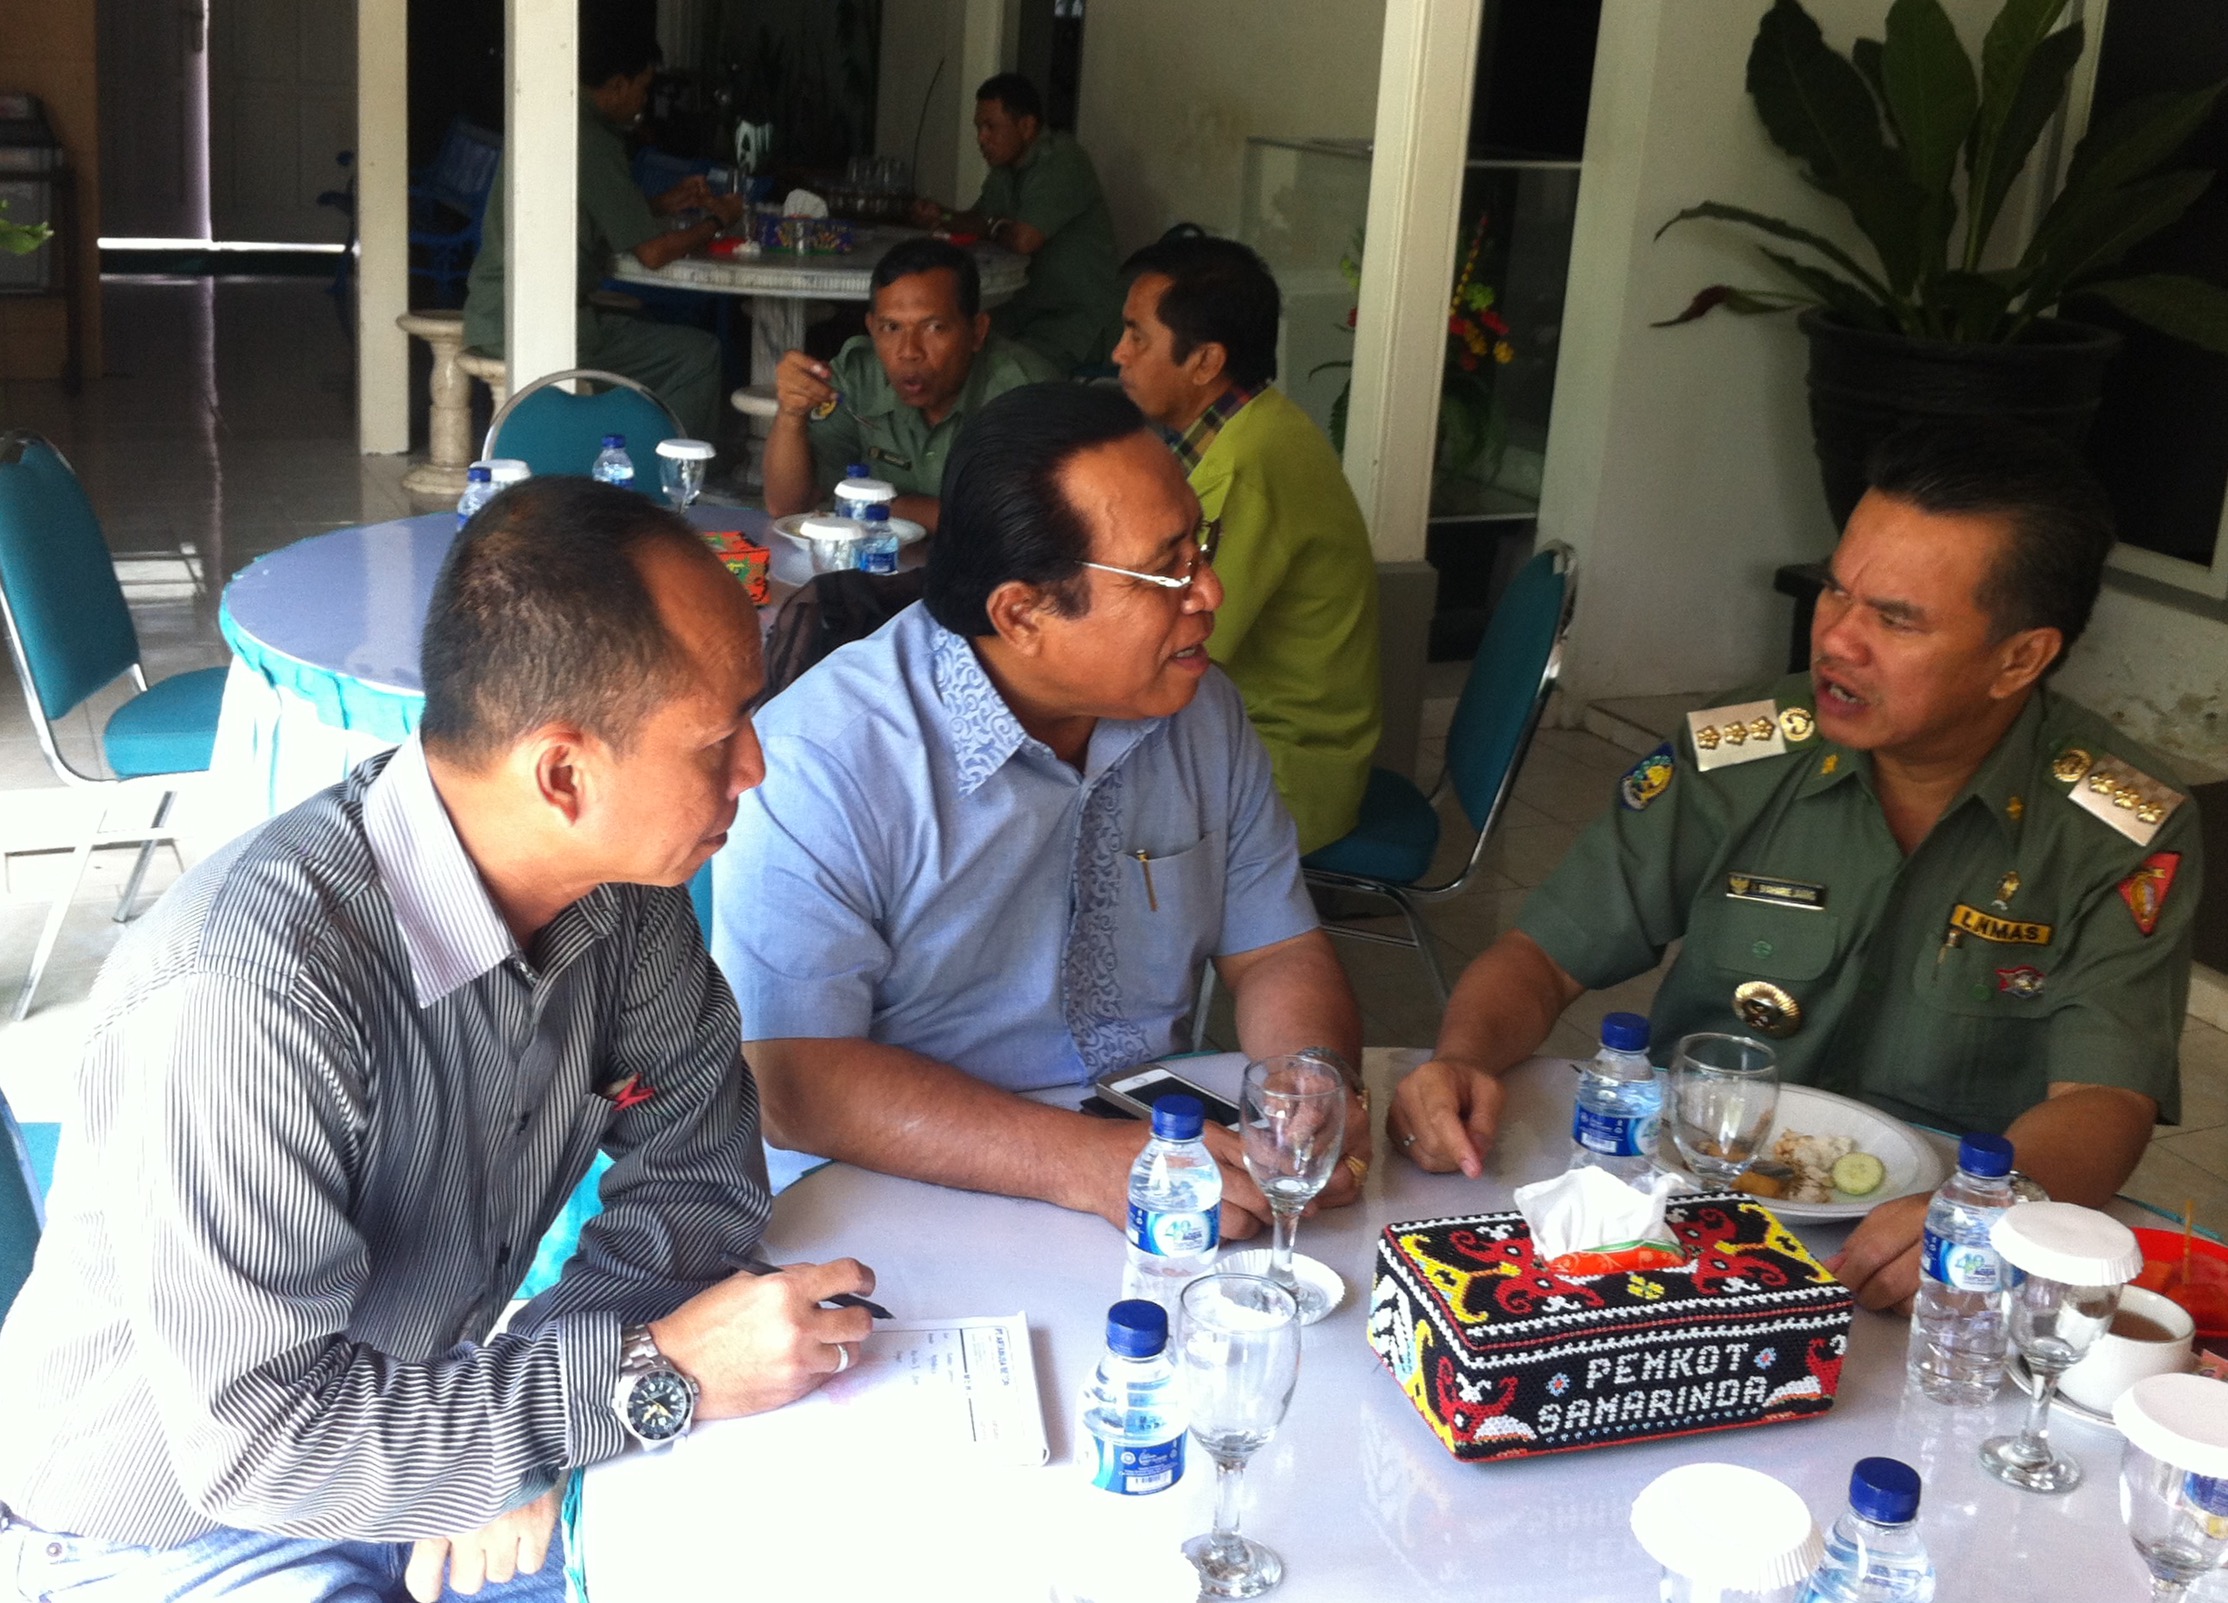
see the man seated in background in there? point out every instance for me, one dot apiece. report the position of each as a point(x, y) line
point(896, 399)
point(1297, 629)
point(346, 1073)
point(1000, 838)
point(1041, 197)
point(1934, 883)
point(618, 58)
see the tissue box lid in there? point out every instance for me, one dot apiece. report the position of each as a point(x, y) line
point(1479, 1281)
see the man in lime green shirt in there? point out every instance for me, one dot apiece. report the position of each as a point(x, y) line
point(1041, 197)
point(895, 398)
point(618, 58)
point(1297, 629)
point(1928, 880)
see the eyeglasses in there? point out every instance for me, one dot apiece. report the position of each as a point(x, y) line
point(1204, 541)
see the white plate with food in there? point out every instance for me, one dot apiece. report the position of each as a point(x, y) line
point(1844, 1133)
point(906, 530)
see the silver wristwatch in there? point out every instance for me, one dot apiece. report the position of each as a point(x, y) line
point(654, 1400)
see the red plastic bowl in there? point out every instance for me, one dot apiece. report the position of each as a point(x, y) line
point(2164, 1247)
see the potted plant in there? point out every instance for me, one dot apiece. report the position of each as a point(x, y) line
point(1927, 327)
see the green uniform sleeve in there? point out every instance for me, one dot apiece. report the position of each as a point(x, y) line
point(837, 440)
point(1059, 188)
point(1622, 894)
point(1252, 560)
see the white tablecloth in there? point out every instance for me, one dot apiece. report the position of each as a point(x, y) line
point(1355, 1491)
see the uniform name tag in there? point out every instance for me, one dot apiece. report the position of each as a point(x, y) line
point(882, 453)
point(1778, 892)
point(2003, 931)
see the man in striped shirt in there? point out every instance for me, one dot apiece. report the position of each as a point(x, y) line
point(344, 1076)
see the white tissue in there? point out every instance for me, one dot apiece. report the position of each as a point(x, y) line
point(1583, 1210)
point(804, 203)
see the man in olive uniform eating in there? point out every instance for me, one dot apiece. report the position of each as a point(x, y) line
point(1929, 880)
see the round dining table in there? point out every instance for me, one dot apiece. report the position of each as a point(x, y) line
point(1354, 1491)
point(324, 636)
point(780, 283)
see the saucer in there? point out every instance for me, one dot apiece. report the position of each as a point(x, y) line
point(2017, 1372)
point(1308, 1271)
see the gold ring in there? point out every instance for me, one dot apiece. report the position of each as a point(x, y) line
point(1360, 1165)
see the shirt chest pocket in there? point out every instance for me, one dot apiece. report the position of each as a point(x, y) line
point(1773, 943)
point(1974, 977)
point(1168, 920)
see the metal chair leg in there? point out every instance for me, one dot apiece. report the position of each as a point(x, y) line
point(1426, 948)
point(139, 868)
point(82, 855)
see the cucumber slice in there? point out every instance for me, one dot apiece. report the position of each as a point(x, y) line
point(1859, 1174)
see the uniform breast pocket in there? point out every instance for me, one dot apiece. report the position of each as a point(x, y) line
point(1169, 918)
point(1773, 943)
point(1976, 978)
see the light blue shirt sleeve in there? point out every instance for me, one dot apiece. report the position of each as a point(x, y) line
point(793, 897)
point(1265, 898)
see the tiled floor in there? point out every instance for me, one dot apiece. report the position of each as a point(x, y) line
point(225, 428)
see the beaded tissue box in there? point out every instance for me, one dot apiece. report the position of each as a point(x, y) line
point(1506, 1355)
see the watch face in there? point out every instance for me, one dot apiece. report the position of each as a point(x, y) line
point(659, 1406)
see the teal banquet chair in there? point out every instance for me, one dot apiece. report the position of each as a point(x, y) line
point(1388, 853)
point(19, 1209)
point(553, 431)
point(71, 635)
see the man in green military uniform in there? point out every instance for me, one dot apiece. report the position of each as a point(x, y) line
point(895, 399)
point(618, 58)
point(1929, 880)
point(1041, 197)
point(1297, 628)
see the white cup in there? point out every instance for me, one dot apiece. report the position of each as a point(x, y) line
point(2117, 1362)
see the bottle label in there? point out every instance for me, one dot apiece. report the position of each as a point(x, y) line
point(1175, 1235)
point(1961, 1267)
point(1614, 1135)
point(2206, 1492)
point(1136, 1469)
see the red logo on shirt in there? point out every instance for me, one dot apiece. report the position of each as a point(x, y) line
point(2145, 890)
point(628, 1093)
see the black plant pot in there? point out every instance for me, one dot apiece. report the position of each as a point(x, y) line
point(1864, 386)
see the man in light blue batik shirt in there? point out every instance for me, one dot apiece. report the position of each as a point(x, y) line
point(998, 840)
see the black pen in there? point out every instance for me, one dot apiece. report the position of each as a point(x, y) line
point(842, 1299)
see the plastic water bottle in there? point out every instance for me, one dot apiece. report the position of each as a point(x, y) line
point(1873, 1552)
point(1957, 1328)
point(613, 465)
point(479, 489)
point(1620, 1102)
point(1132, 1408)
point(1175, 1205)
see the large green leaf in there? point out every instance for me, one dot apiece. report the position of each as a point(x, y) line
point(1817, 108)
point(2135, 139)
point(1968, 306)
point(1747, 302)
point(2103, 233)
point(1779, 228)
point(2021, 90)
point(1838, 295)
point(2187, 308)
point(1931, 92)
point(1865, 54)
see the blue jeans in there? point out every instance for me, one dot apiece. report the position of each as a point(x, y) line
point(39, 1566)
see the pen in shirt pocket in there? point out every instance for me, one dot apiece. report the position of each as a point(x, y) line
point(842, 1299)
point(1145, 864)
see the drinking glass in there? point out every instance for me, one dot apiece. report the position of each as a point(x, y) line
point(2053, 1325)
point(2178, 1519)
point(1724, 1091)
point(1292, 1123)
point(1238, 1339)
point(681, 465)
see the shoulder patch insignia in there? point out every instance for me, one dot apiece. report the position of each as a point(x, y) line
point(1740, 733)
point(2121, 794)
point(2145, 890)
point(1648, 778)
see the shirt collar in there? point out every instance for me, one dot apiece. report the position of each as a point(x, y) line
point(1193, 442)
point(984, 732)
point(449, 927)
point(2001, 779)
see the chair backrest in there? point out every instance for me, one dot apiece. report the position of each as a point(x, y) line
point(19, 1210)
point(463, 172)
point(1517, 665)
point(552, 431)
point(67, 623)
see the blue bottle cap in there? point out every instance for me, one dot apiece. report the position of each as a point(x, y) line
point(479, 473)
point(1988, 1156)
point(614, 442)
point(1137, 1329)
point(1884, 1491)
point(1625, 1032)
point(1177, 1117)
point(855, 470)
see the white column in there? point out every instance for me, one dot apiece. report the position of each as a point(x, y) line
point(541, 158)
point(1415, 197)
point(382, 225)
point(982, 54)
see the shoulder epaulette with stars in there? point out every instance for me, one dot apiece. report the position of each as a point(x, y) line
point(2116, 791)
point(1747, 730)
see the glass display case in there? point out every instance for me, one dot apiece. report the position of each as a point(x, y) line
point(1304, 208)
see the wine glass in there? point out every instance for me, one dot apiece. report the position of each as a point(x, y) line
point(1724, 1091)
point(1239, 1344)
point(2177, 1517)
point(2053, 1324)
point(1292, 1123)
point(681, 465)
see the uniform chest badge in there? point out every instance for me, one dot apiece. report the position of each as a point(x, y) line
point(2003, 931)
point(1766, 1008)
point(882, 453)
point(2145, 890)
point(2025, 980)
point(1648, 778)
